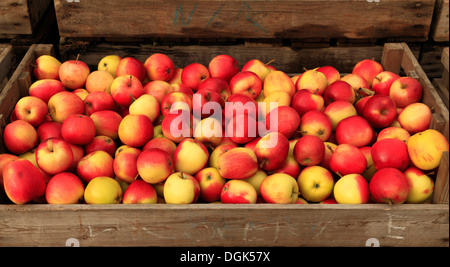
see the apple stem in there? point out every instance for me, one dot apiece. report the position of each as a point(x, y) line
point(339, 174)
point(305, 69)
point(78, 55)
point(129, 83)
point(330, 148)
point(270, 61)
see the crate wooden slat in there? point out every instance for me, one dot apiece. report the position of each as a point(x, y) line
point(7, 62)
point(441, 84)
point(246, 19)
point(235, 225)
point(19, 17)
point(439, 28)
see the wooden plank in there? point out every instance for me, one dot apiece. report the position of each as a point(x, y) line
point(246, 19)
point(441, 187)
point(7, 62)
point(194, 225)
point(440, 21)
point(21, 16)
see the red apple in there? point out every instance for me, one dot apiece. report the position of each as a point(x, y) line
point(158, 89)
point(316, 123)
point(178, 125)
point(216, 84)
point(31, 109)
point(356, 81)
point(240, 104)
point(304, 101)
point(135, 130)
point(101, 142)
point(347, 159)
point(95, 164)
point(258, 67)
point(390, 153)
point(405, 91)
point(193, 75)
point(73, 73)
point(125, 89)
point(175, 100)
point(339, 110)
point(207, 102)
point(309, 150)
point(331, 73)
point(140, 192)
point(154, 165)
point(64, 188)
point(223, 66)
point(45, 89)
point(211, 184)
point(106, 123)
point(125, 164)
point(179, 87)
point(247, 83)
point(415, 117)
point(379, 111)
point(241, 129)
point(389, 185)
point(99, 100)
point(383, 81)
point(237, 163)
point(159, 67)
point(131, 66)
point(54, 155)
point(78, 129)
point(161, 143)
point(283, 119)
point(19, 136)
point(63, 104)
point(238, 192)
point(339, 90)
point(354, 130)
point(368, 69)
point(272, 151)
point(46, 67)
point(290, 167)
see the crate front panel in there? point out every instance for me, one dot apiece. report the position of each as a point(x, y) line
point(245, 19)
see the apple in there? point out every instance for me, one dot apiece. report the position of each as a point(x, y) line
point(190, 156)
point(159, 67)
point(103, 190)
point(78, 129)
point(81, 93)
point(178, 125)
point(46, 67)
point(5, 158)
point(380, 111)
point(19, 136)
point(278, 81)
point(237, 163)
point(22, 181)
point(351, 189)
point(107, 123)
point(368, 69)
point(64, 188)
point(247, 83)
point(290, 167)
point(405, 91)
point(256, 179)
point(415, 117)
point(330, 200)
point(304, 101)
point(273, 100)
point(207, 102)
point(309, 150)
point(45, 89)
point(258, 67)
point(125, 89)
point(313, 81)
point(223, 66)
point(154, 165)
point(238, 192)
point(158, 89)
point(95, 164)
point(390, 153)
point(101, 142)
point(241, 129)
point(240, 104)
point(181, 188)
point(99, 100)
point(316, 123)
point(271, 151)
point(283, 119)
point(209, 132)
point(125, 164)
point(425, 149)
point(339, 90)
point(211, 184)
point(131, 66)
point(394, 132)
point(140, 192)
point(219, 85)
point(193, 75)
point(63, 104)
point(179, 87)
point(339, 110)
point(389, 185)
point(347, 159)
point(54, 155)
point(279, 188)
point(360, 103)
point(176, 78)
point(356, 81)
point(31, 109)
point(73, 73)
point(78, 153)
point(329, 149)
point(99, 80)
point(382, 82)
point(354, 130)
point(161, 143)
point(135, 130)
point(175, 100)
point(217, 151)
point(331, 73)
point(109, 63)
point(421, 185)
point(315, 183)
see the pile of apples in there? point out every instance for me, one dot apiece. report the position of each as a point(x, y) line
point(151, 132)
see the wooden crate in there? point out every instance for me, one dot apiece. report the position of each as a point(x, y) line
point(292, 19)
point(441, 84)
point(255, 225)
point(439, 27)
point(20, 17)
point(7, 63)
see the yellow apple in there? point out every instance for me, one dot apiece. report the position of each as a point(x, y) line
point(181, 188)
point(315, 183)
point(279, 188)
point(421, 185)
point(351, 189)
point(425, 149)
point(109, 63)
point(256, 180)
point(103, 190)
